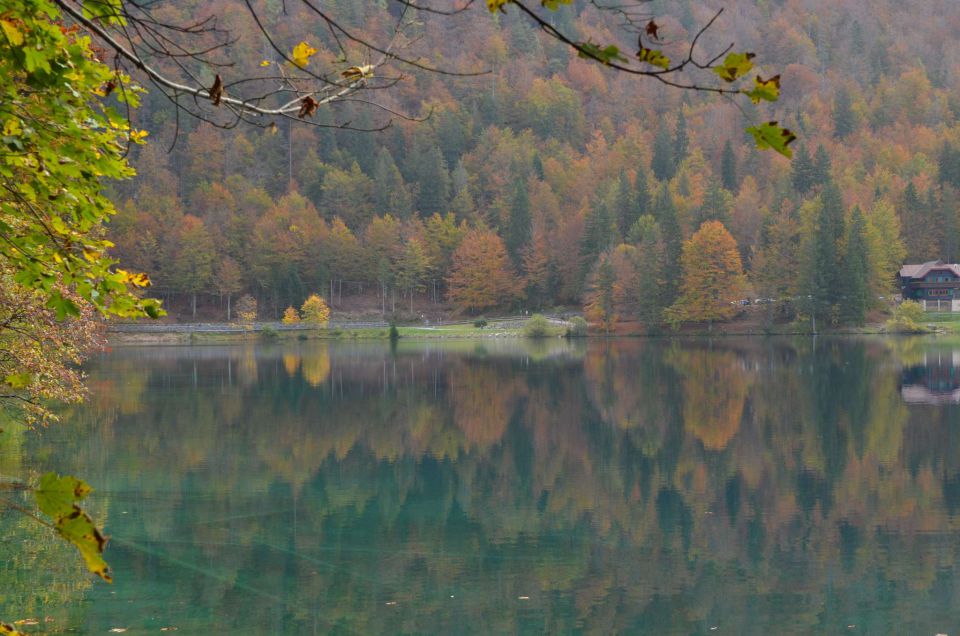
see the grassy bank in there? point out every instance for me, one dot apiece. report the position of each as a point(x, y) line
point(466, 330)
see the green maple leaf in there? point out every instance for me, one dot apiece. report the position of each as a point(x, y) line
point(771, 135)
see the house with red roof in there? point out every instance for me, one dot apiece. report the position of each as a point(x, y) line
point(934, 280)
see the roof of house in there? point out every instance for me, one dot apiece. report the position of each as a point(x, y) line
point(919, 271)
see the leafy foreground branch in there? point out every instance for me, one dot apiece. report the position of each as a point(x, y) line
point(57, 498)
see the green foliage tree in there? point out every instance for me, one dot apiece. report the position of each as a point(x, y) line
point(886, 250)
point(193, 264)
point(856, 271)
point(665, 214)
point(652, 274)
point(61, 141)
point(391, 194)
point(821, 166)
point(663, 163)
point(627, 207)
point(433, 179)
point(728, 169)
point(802, 174)
point(519, 229)
point(948, 165)
point(716, 204)
point(822, 257)
point(536, 326)
point(681, 140)
point(844, 120)
point(413, 268)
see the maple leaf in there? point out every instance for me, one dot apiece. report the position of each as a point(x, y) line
point(768, 90)
point(653, 30)
point(771, 135)
point(302, 53)
point(653, 57)
point(308, 106)
point(216, 91)
point(735, 66)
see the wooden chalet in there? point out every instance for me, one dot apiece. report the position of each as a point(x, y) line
point(935, 280)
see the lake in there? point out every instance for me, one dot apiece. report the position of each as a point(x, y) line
point(505, 486)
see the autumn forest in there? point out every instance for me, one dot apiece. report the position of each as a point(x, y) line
point(551, 181)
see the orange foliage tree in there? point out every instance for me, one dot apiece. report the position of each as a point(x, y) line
point(713, 277)
point(482, 277)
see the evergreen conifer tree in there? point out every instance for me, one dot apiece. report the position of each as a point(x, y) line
point(728, 168)
point(823, 264)
point(821, 166)
point(844, 121)
point(662, 162)
point(519, 229)
point(681, 140)
point(856, 272)
point(802, 174)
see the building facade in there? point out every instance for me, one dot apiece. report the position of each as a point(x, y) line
point(935, 280)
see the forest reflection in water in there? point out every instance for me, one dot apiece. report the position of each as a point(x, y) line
point(629, 485)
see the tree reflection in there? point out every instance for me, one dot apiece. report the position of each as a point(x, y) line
point(636, 486)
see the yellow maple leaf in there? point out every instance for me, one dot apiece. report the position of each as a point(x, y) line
point(302, 54)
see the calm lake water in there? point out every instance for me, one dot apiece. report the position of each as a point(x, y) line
point(630, 486)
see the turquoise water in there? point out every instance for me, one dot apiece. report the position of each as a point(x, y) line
point(628, 486)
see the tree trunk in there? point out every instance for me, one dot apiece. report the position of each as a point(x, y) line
point(228, 306)
point(193, 303)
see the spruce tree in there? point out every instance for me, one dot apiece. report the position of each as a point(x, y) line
point(665, 214)
point(597, 237)
point(681, 141)
point(823, 265)
point(433, 195)
point(538, 166)
point(390, 193)
point(802, 174)
point(641, 193)
point(856, 272)
point(728, 168)
point(519, 230)
point(627, 210)
point(821, 166)
point(651, 278)
point(715, 204)
point(948, 164)
point(844, 121)
point(950, 228)
point(662, 162)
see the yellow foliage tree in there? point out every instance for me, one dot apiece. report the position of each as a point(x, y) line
point(713, 277)
point(290, 316)
point(247, 309)
point(315, 311)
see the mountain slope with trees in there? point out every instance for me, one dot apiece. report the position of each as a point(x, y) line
point(562, 159)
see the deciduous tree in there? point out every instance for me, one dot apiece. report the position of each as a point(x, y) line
point(482, 277)
point(713, 279)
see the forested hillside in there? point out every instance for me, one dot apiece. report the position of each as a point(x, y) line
point(554, 181)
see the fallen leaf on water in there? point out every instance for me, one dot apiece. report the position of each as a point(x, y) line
point(27, 621)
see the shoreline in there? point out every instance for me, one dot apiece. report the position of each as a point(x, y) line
point(132, 335)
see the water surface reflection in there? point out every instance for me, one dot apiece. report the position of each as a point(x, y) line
point(635, 486)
